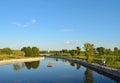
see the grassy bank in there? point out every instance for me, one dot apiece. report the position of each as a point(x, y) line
point(94, 59)
point(9, 57)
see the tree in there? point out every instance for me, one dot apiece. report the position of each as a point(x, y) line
point(64, 51)
point(108, 52)
point(18, 53)
point(89, 50)
point(101, 50)
point(28, 51)
point(6, 51)
point(72, 52)
point(116, 51)
point(36, 51)
point(78, 50)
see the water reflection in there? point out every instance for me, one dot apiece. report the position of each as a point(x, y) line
point(28, 65)
point(78, 66)
point(18, 66)
point(88, 76)
point(72, 63)
point(33, 65)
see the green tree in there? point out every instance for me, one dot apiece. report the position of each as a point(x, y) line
point(64, 51)
point(108, 52)
point(116, 51)
point(101, 50)
point(78, 50)
point(6, 51)
point(35, 51)
point(28, 51)
point(72, 52)
point(89, 50)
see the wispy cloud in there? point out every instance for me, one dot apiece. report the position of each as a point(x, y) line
point(67, 30)
point(26, 24)
point(72, 42)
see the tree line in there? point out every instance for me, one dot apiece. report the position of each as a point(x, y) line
point(90, 50)
point(25, 51)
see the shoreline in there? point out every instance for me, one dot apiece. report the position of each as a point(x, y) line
point(5, 62)
point(107, 71)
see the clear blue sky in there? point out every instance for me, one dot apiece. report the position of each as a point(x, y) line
point(59, 24)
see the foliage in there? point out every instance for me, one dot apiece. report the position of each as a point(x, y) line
point(72, 52)
point(6, 51)
point(116, 51)
point(78, 50)
point(101, 50)
point(18, 53)
point(89, 50)
point(34, 51)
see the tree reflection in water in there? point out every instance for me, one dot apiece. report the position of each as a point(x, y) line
point(33, 65)
point(88, 76)
point(28, 65)
point(18, 66)
point(78, 66)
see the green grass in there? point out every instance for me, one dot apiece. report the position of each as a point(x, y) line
point(95, 59)
point(7, 57)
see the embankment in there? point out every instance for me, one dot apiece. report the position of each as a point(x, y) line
point(4, 62)
point(107, 71)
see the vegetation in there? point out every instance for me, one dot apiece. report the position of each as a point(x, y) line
point(93, 55)
point(31, 52)
point(7, 53)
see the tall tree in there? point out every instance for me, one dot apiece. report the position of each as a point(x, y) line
point(72, 52)
point(28, 51)
point(116, 51)
point(89, 50)
point(36, 51)
point(108, 52)
point(78, 50)
point(101, 50)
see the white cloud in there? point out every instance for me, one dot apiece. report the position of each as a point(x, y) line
point(26, 24)
point(72, 42)
point(33, 21)
point(67, 42)
point(67, 30)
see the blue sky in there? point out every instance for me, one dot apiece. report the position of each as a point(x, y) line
point(59, 24)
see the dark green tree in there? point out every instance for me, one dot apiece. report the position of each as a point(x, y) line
point(72, 52)
point(101, 50)
point(6, 51)
point(78, 50)
point(35, 51)
point(116, 51)
point(28, 51)
point(108, 52)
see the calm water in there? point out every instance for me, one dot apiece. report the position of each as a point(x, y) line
point(38, 72)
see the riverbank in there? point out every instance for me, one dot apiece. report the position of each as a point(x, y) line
point(4, 62)
point(110, 72)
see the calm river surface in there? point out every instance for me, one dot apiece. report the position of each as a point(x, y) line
point(39, 72)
